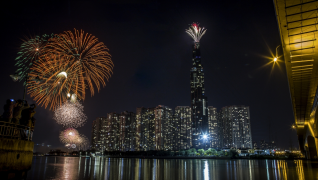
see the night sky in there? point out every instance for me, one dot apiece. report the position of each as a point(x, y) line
point(152, 57)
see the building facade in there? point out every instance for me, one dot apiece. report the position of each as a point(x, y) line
point(98, 134)
point(213, 128)
point(199, 101)
point(127, 131)
point(112, 132)
point(154, 128)
point(181, 128)
point(236, 127)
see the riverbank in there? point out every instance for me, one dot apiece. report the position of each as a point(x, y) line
point(193, 157)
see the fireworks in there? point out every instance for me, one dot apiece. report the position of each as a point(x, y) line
point(57, 81)
point(88, 56)
point(69, 64)
point(70, 114)
point(69, 136)
point(196, 32)
point(81, 142)
point(30, 50)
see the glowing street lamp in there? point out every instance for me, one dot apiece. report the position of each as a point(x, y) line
point(205, 136)
point(276, 58)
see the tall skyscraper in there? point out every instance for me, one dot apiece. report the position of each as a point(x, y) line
point(236, 127)
point(199, 101)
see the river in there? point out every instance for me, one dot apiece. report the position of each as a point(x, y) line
point(164, 169)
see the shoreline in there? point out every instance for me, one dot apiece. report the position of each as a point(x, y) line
point(183, 157)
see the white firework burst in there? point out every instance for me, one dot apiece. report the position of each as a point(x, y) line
point(69, 136)
point(70, 114)
point(196, 32)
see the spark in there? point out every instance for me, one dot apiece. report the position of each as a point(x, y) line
point(70, 114)
point(196, 32)
point(62, 74)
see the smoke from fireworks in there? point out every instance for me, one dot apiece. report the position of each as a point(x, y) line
point(70, 114)
point(196, 32)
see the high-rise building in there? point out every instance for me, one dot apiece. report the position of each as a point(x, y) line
point(163, 128)
point(213, 127)
point(98, 134)
point(199, 101)
point(181, 128)
point(263, 144)
point(236, 127)
point(145, 119)
point(154, 131)
point(112, 132)
point(255, 145)
point(127, 130)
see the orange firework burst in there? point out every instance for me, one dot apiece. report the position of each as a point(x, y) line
point(71, 64)
point(53, 80)
point(89, 55)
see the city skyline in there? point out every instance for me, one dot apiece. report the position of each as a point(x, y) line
point(151, 55)
point(162, 129)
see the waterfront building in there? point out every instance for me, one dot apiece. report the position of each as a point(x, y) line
point(98, 134)
point(145, 134)
point(154, 130)
point(263, 144)
point(181, 128)
point(162, 127)
point(213, 127)
point(255, 145)
point(127, 131)
point(236, 127)
point(112, 132)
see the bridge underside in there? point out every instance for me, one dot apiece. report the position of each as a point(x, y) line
point(297, 22)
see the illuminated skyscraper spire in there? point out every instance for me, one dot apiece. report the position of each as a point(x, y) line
point(199, 103)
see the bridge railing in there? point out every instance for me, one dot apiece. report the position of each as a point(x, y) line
point(15, 131)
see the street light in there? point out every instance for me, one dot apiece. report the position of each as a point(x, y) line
point(276, 58)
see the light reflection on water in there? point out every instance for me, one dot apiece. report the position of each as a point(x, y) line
point(163, 169)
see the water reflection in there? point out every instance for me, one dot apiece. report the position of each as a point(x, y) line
point(163, 169)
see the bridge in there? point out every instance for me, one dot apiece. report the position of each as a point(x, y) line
point(297, 22)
